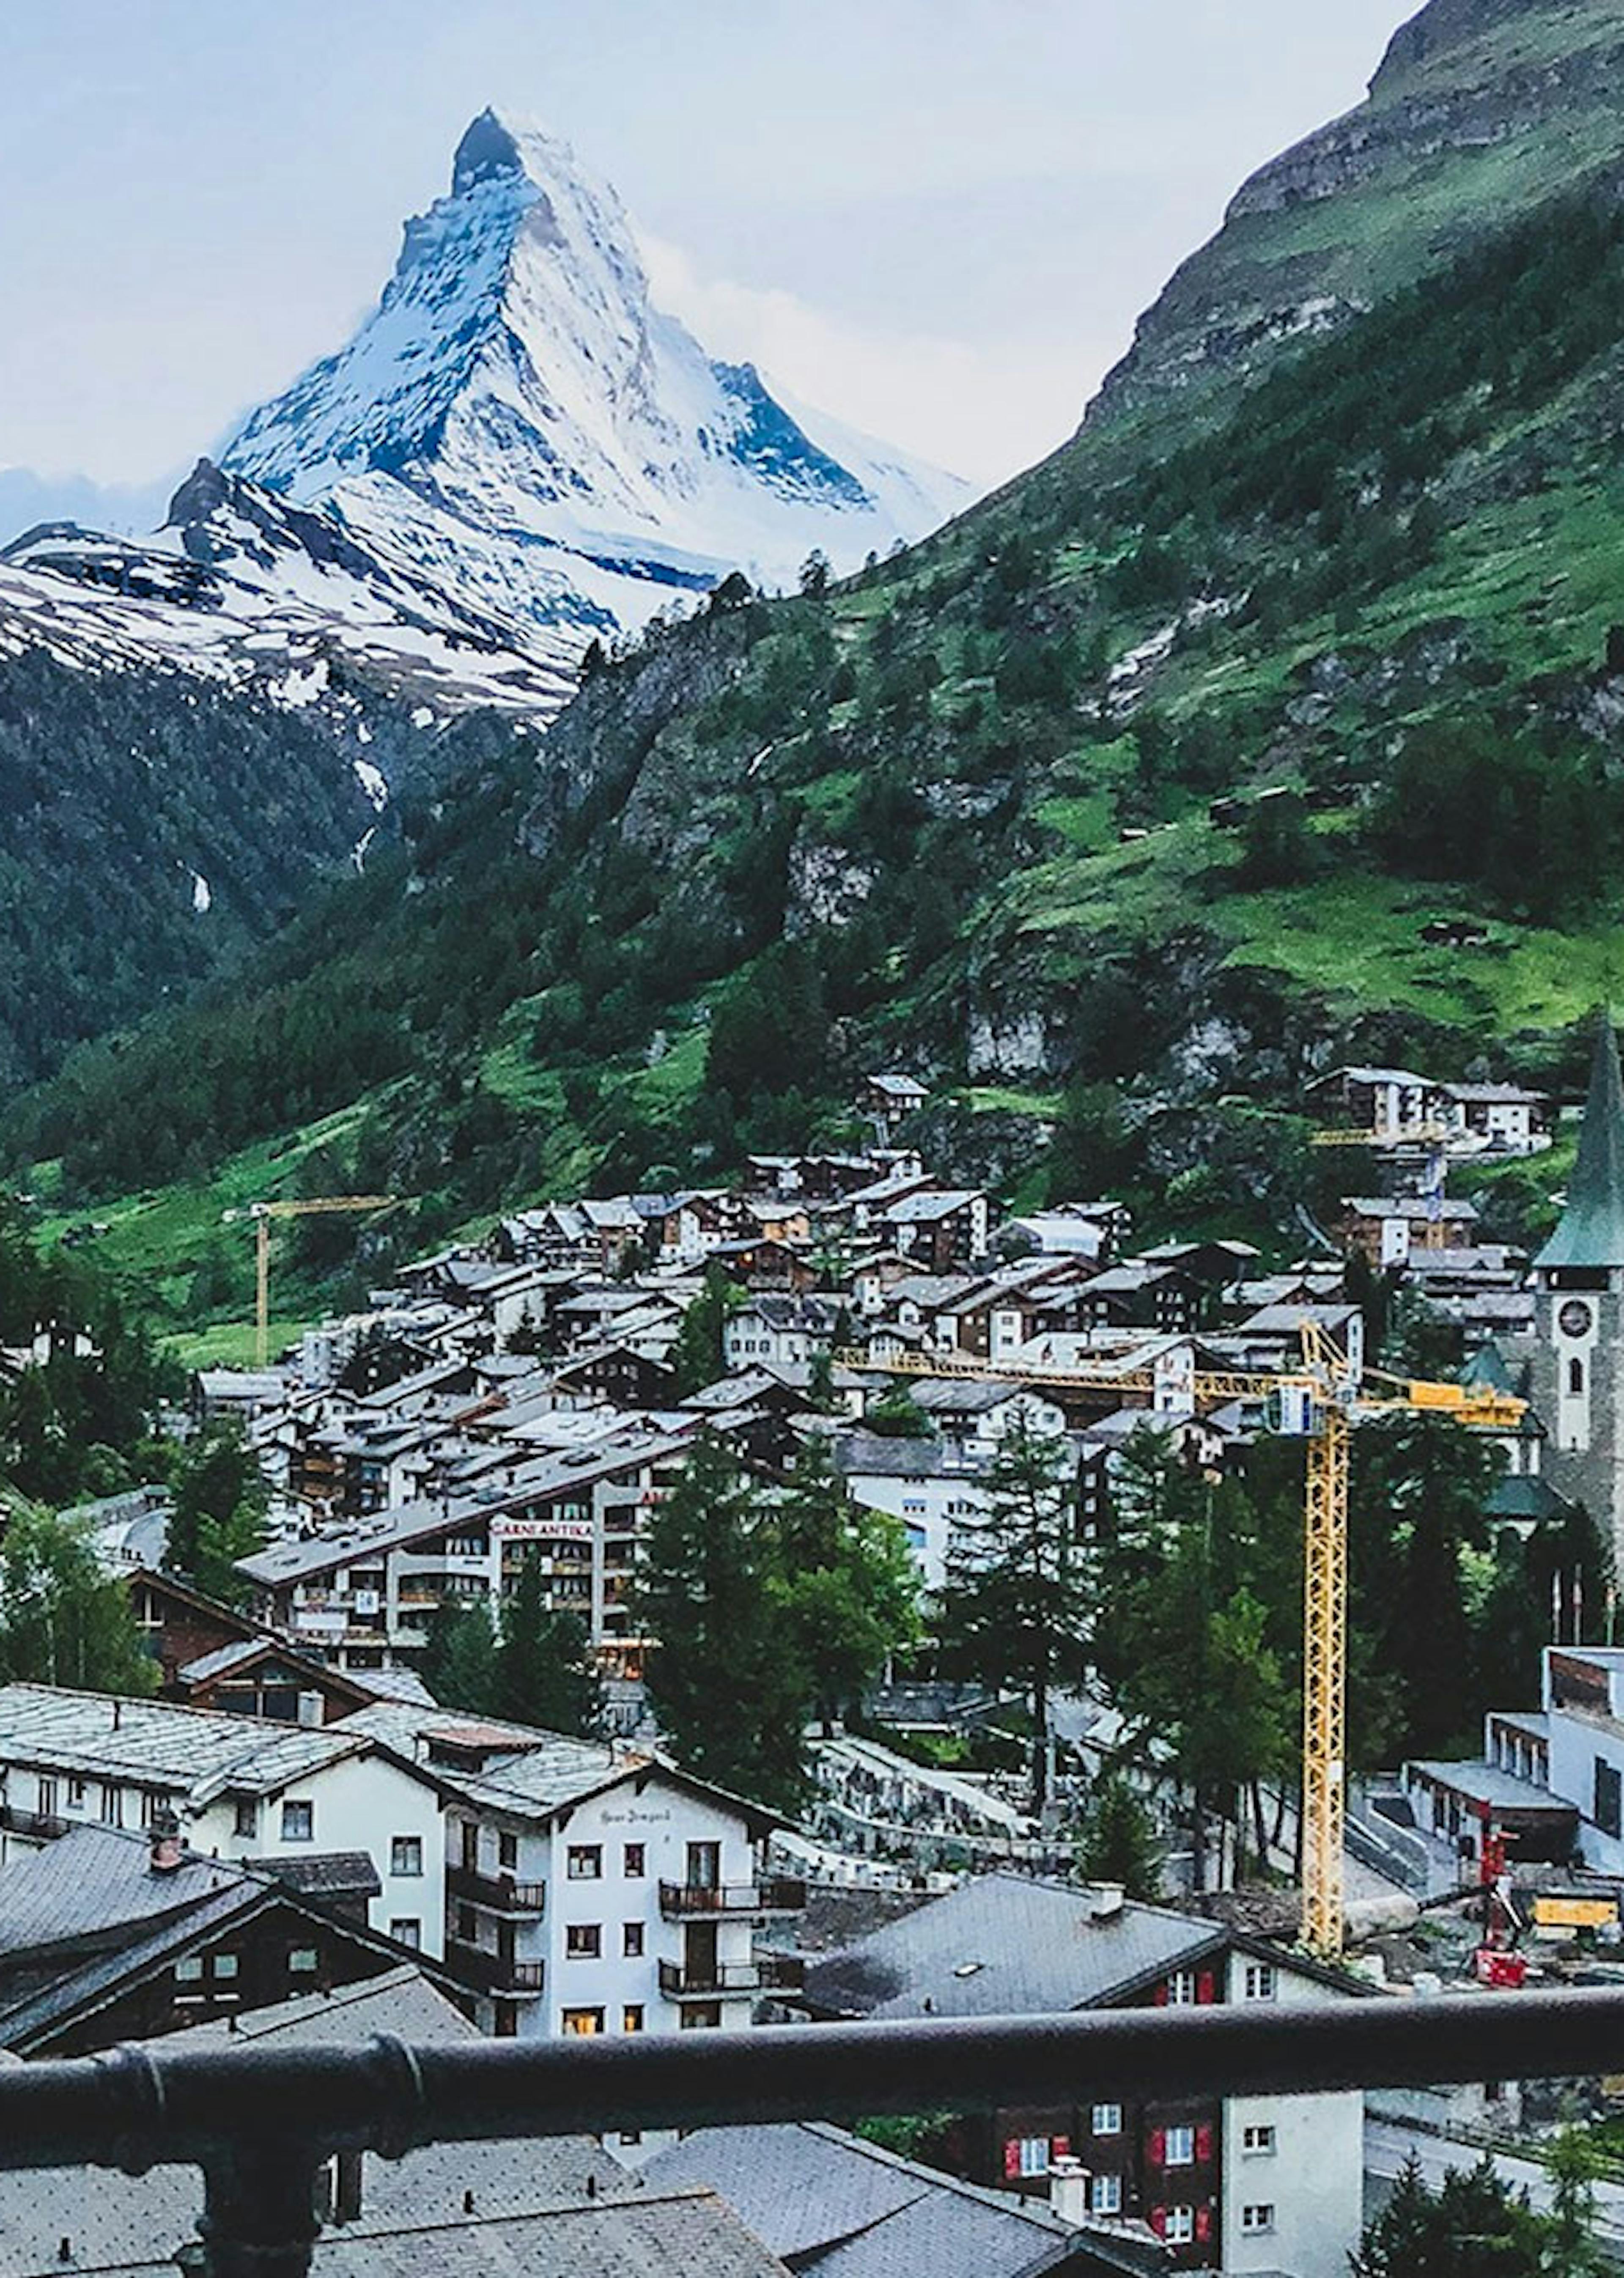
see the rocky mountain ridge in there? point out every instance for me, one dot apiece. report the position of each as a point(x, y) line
point(1480, 111)
point(516, 453)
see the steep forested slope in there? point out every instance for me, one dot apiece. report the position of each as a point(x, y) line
point(998, 809)
point(153, 826)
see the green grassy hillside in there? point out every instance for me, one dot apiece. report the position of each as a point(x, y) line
point(1117, 809)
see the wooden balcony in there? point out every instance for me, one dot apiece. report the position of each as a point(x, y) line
point(768, 1973)
point(503, 1894)
point(769, 1894)
point(488, 1973)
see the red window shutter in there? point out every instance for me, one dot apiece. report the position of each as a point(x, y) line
point(1206, 1987)
point(1060, 2147)
point(1157, 2151)
point(1012, 2161)
point(1203, 2144)
point(1160, 1995)
point(1203, 2224)
point(1158, 2222)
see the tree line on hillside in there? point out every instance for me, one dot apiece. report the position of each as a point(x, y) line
point(812, 828)
point(1184, 1605)
point(78, 1421)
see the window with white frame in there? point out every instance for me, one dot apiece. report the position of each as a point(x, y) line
point(1034, 2155)
point(405, 1854)
point(1256, 2219)
point(1105, 2195)
point(1181, 2147)
point(1180, 2226)
point(1258, 1983)
point(1257, 2138)
point(1181, 1990)
point(1106, 2120)
point(298, 1821)
point(406, 1929)
point(583, 1862)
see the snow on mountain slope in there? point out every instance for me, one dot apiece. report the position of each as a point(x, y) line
point(245, 589)
point(517, 418)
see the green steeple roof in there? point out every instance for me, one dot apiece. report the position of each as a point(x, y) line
point(1592, 1228)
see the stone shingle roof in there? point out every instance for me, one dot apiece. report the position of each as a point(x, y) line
point(1002, 1946)
point(831, 2204)
point(195, 1752)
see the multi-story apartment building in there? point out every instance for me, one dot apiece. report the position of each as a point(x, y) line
point(241, 1788)
point(363, 1595)
point(590, 1890)
point(1246, 2184)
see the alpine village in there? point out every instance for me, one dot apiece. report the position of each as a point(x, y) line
point(860, 1265)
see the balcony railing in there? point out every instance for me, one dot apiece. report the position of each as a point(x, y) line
point(489, 1973)
point(262, 2122)
point(769, 1973)
point(504, 1894)
point(45, 1825)
point(772, 1894)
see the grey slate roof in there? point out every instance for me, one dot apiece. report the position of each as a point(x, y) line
point(1035, 1948)
point(92, 1880)
point(831, 2204)
point(1591, 1232)
point(327, 1874)
point(195, 1752)
point(875, 1455)
point(1487, 1783)
point(530, 2211)
point(535, 1771)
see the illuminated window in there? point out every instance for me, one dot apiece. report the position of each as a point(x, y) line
point(583, 2023)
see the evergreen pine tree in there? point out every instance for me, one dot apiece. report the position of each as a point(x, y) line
point(846, 1583)
point(1019, 1594)
point(220, 1500)
point(545, 1671)
point(1118, 1840)
point(731, 1700)
point(63, 1621)
point(459, 1659)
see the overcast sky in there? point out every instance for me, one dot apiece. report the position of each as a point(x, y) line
point(937, 219)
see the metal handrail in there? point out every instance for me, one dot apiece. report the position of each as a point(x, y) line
point(261, 2122)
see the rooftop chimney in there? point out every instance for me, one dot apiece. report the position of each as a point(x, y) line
point(164, 1855)
point(1068, 2190)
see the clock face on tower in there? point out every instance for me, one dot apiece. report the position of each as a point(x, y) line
point(1573, 1320)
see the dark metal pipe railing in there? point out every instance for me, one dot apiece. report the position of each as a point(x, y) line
point(261, 2123)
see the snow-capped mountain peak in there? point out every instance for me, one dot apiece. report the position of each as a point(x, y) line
point(517, 414)
point(515, 453)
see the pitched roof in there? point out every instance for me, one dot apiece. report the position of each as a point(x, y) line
point(1002, 1946)
point(520, 1768)
point(1591, 1233)
point(197, 1753)
point(829, 2203)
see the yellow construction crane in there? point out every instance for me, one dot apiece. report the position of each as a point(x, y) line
point(1319, 1402)
point(262, 1214)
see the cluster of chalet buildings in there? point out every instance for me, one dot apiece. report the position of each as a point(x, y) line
point(170, 1871)
point(295, 1839)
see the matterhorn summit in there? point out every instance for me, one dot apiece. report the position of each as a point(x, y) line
point(517, 452)
point(517, 419)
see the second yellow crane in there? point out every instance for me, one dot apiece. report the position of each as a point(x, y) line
point(298, 1206)
point(1318, 1403)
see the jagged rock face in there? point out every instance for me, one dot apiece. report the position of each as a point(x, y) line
point(1482, 109)
point(517, 417)
point(517, 453)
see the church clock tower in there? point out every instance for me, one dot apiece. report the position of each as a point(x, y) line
point(1579, 1313)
